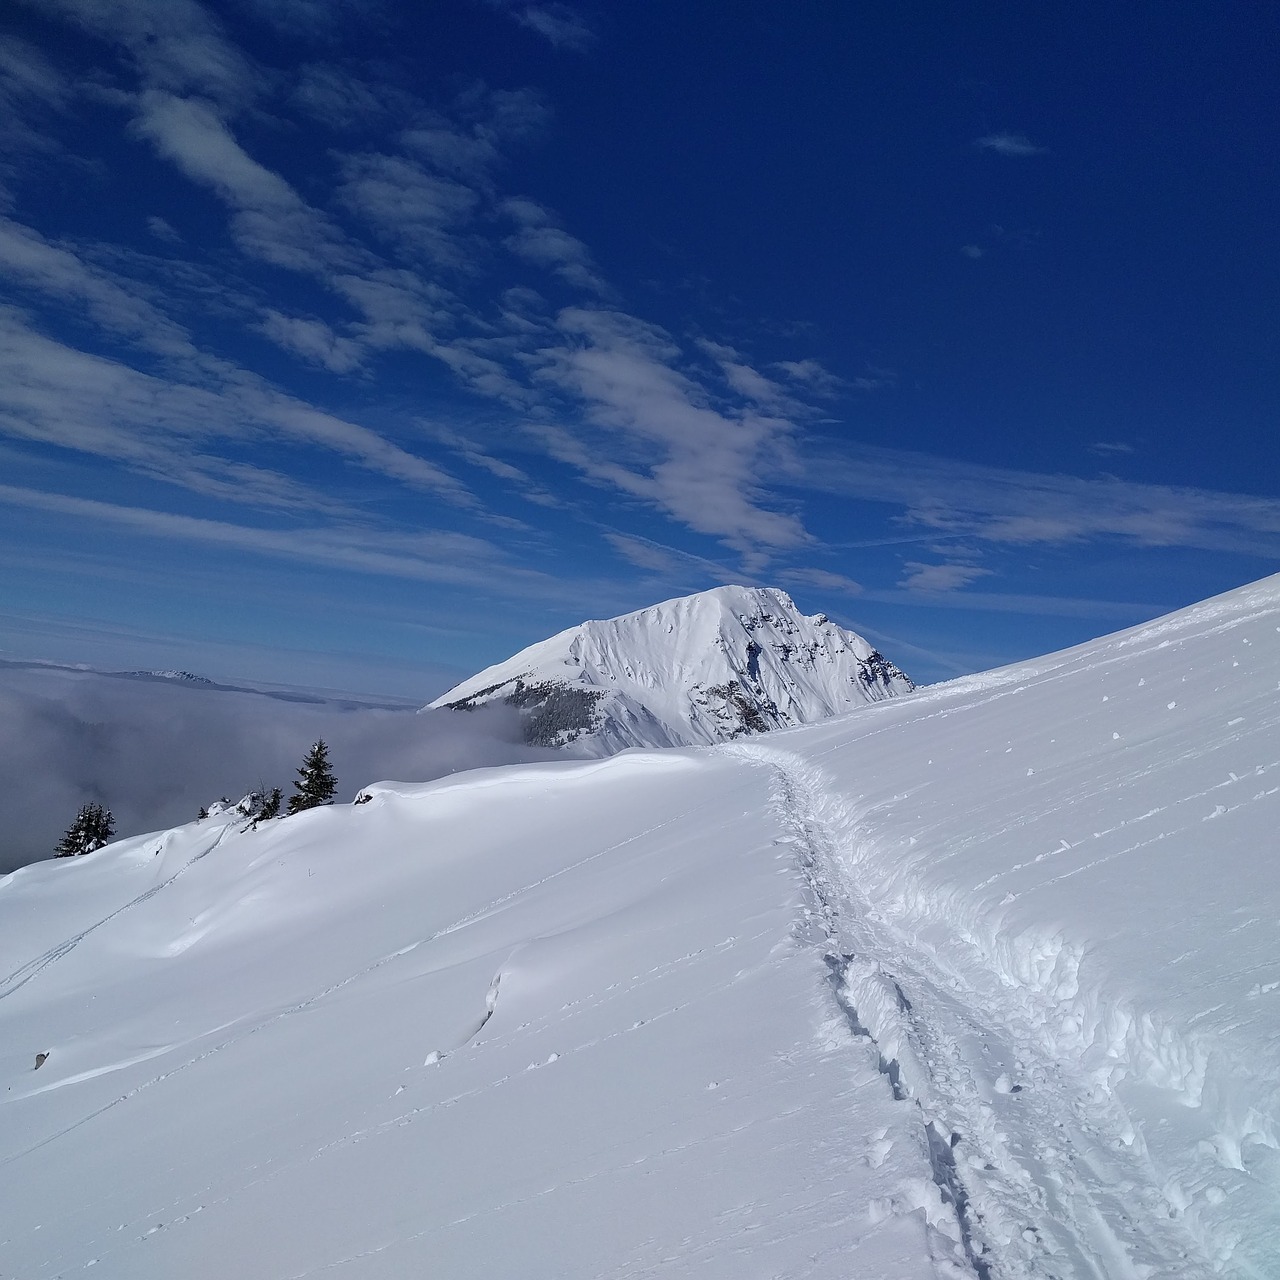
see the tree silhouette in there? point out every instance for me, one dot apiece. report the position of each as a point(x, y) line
point(94, 826)
point(316, 784)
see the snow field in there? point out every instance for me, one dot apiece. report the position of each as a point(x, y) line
point(558, 1013)
point(979, 983)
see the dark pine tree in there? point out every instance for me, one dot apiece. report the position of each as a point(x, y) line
point(316, 784)
point(94, 826)
point(270, 806)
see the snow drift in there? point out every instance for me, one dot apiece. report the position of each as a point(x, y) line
point(699, 669)
point(979, 982)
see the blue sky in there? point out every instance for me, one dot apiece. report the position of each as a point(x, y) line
point(359, 344)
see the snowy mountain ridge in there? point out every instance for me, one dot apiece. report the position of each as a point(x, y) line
point(691, 671)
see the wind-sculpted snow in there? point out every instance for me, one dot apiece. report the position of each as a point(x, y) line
point(701, 669)
point(981, 983)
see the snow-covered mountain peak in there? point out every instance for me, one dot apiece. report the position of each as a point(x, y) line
point(694, 670)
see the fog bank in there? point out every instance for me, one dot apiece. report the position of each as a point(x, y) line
point(155, 751)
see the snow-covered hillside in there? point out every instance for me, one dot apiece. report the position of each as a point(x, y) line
point(980, 982)
point(699, 669)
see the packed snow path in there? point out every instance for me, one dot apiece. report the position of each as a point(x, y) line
point(1065, 929)
point(980, 984)
point(1038, 1164)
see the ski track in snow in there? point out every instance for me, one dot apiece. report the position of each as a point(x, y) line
point(1042, 1171)
point(28, 971)
point(24, 973)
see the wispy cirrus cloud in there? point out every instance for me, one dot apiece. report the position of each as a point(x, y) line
point(560, 25)
point(32, 92)
point(659, 436)
point(1009, 144)
point(28, 77)
point(59, 395)
point(120, 308)
point(417, 212)
point(335, 97)
point(174, 45)
point(823, 580)
point(748, 382)
point(469, 140)
point(434, 556)
point(270, 221)
point(1007, 507)
point(539, 240)
point(313, 340)
point(949, 576)
point(812, 376)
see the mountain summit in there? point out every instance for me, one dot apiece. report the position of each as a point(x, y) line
point(687, 672)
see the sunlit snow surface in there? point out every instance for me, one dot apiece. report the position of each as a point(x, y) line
point(984, 981)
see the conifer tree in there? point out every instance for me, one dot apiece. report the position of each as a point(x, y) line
point(316, 784)
point(94, 826)
point(270, 806)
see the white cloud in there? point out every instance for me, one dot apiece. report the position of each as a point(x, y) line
point(540, 241)
point(1009, 144)
point(271, 221)
point(56, 272)
point(557, 23)
point(1005, 506)
point(973, 251)
point(940, 577)
point(467, 449)
point(660, 439)
point(558, 251)
point(468, 142)
point(812, 376)
point(415, 210)
point(873, 378)
point(59, 395)
point(176, 45)
point(28, 77)
point(824, 580)
point(313, 340)
point(747, 381)
point(335, 97)
point(439, 557)
point(162, 230)
point(644, 554)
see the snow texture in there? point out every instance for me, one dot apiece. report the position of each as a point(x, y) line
point(700, 669)
point(980, 982)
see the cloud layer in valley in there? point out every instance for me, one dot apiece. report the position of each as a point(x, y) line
point(154, 752)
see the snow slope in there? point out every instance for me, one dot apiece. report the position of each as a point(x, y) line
point(980, 982)
point(695, 670)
